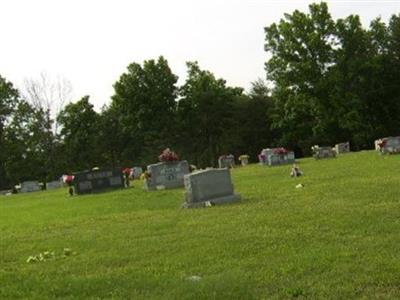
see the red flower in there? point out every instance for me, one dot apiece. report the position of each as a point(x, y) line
point(280, 151)
point(168, 155)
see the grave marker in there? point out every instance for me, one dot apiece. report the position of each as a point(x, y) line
point(209, 187)
point(30, 186)
point(276, 156)
point(137, 172)
point(97, 181)
point(323, 152)
point(389, 145)
point(342, 148)
point(53, 185)
point(226, 161)
point(166, 175)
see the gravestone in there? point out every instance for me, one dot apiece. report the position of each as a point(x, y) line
point(211, 186)
point(323, 152)
point(136, 172)
point(390, 145)
point(56, 184)
point(5, 192)
point(226, 161)
point(244, 159)
point(30, 186)
point(276, 156)
point(342, 148)
point(377, 144)
point(166, 175)
point(97, 181)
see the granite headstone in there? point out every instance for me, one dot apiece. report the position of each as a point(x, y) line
point(211, 186)
point(275, 156)
point(30, 186)
point(323, 152)
point(342, 148)
point(53, 185)
point(226, 161)
point(390, 145)
point(97, 181)
point(166, 175)
point(137, 172)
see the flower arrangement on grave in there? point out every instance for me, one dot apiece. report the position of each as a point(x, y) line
point(262, 157)
point(243, 157)
point(68, 179)
point(127, 171)
point(280, 151)
point(382, 143)
point(168, 156)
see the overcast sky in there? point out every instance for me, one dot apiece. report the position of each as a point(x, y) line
point(90, 42)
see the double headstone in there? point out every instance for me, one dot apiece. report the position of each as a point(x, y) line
point(323, 152)
point(211, 186)
point(390, 145)
point(30, 186)
point(342, 148)
point(166, 175)
point(226, 161)
point(275, 156)
point(97, 181)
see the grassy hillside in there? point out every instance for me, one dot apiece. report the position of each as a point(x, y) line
point(337, 238)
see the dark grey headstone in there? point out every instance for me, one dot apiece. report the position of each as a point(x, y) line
point(212, 186)
point(166, 175)
point(97, 181)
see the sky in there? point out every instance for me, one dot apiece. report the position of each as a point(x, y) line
point(91, 42)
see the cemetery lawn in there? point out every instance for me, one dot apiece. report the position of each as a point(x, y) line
point(336, 238)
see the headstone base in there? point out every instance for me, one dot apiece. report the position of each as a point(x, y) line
point(215, 201)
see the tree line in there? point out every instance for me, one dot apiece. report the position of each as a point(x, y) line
point(328, 81)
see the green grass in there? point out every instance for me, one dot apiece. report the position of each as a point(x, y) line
point(337, 238)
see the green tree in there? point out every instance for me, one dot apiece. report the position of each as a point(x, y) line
point(144, 100)
point(205, 116)
point(302, 52)
point(111, 138)
point(9, 98)
point(255, 120)
point(79, 132)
